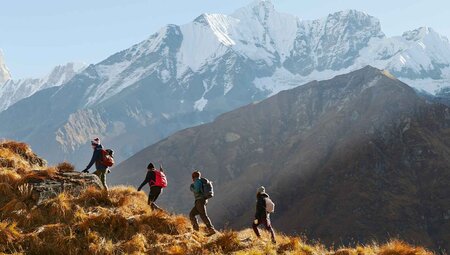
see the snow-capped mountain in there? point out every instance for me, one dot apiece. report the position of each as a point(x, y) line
point(4, 72)
point(186, 75)
point(12, 91)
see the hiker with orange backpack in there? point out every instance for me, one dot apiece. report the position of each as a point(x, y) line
point(264, 207)
point(103, 159)
point(157, 180)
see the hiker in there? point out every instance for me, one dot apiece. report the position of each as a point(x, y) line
point(197, 187)
point(101, 165)
point(264, 206)
point(157, 180)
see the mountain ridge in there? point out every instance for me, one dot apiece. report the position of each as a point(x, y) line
point(213, 65)
point(83, 219)
point(13, 90)
point(361, 150)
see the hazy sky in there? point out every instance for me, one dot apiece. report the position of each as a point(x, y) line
point(37, 35)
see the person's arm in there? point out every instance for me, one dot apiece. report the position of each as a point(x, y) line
point(146, 180)
point(93, 159)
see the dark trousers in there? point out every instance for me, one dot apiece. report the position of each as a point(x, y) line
point(153, 195)
point(266, 222)
point(200, 209)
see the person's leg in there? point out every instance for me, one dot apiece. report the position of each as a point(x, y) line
point(193, 218)
point(270, 229)
point(103, 178)
point(101, 175)
point(154, 194)
point(255, 228)
point(200, 204)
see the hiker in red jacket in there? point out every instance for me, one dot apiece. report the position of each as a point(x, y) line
point(157, 181)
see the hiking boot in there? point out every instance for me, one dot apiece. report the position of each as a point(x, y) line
point(274, 241)
point(211, 231)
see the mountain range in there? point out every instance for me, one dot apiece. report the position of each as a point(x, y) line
point(13, 90)
point(185, 75)
point(356, 158)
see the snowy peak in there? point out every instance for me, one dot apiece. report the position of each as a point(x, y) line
point(419, 34)
point(63, 73)
point(260, 9)
point(13, 91)
point(354, 21)
point(4, 72)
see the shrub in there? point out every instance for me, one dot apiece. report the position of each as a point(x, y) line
point(292, 245)
point(397, 247)
point(65, 167)
point(227, 242)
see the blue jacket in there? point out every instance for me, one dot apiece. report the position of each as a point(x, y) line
point(197, 189)
point(96, 158)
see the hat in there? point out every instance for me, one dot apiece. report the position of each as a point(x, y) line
point(95, 141)
point(150, 166)
point(261, 189)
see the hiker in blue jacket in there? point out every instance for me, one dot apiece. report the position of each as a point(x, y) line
point(200, 204)
point(101, 169)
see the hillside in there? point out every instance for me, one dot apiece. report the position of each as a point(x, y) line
point(119, 222)
point(354, 158)
point(186, 75)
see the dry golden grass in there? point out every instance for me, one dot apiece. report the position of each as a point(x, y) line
point(65, 167)
point(397, 247)
point(8, 232)
point(226, 243)
point(121, 222)
point(21, 155)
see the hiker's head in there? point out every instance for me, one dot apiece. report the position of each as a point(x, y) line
point(150, 166)
point(196, 174)
point(261, 190)
point(95, 142)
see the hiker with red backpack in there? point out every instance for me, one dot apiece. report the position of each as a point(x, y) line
point(264, 207)
point(203, 190)
point(103, 159)
point(157, 180)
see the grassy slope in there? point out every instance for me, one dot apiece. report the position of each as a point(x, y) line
point(120, 222)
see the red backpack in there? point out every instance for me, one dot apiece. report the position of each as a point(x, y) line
point(107, 158)
point(160, 179)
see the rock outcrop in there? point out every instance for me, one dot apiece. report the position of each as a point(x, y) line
point(72, 183)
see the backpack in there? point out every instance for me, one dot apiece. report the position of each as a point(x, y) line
point(270, 205)
point(107, 157)
point(207, 188)
point(160, 179)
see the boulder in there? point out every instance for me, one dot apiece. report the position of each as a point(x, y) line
point(69, 182)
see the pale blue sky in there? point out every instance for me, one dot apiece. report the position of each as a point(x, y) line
point(37, 35)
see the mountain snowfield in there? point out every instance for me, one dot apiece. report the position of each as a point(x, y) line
point(295, 51)
point(12, 91)
point(186, 75)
